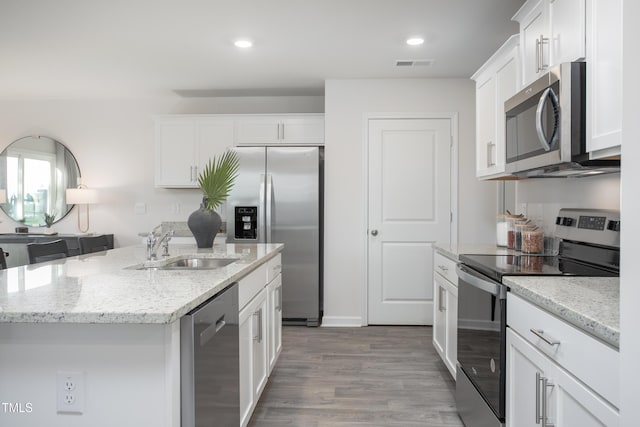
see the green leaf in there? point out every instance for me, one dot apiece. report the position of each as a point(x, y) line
point(217, 178)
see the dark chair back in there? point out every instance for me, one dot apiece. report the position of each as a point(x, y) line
point(41, 252)
point(3, 259)
point(92, 244)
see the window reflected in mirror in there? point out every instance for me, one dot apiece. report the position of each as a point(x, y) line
point(36, 171)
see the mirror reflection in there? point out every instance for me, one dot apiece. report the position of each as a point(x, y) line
point(36, 171)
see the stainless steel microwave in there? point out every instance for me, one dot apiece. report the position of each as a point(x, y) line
point(545, 127)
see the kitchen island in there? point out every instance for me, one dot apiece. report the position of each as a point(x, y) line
point(112, 317)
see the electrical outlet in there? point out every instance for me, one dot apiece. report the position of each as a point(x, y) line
point(70, 392)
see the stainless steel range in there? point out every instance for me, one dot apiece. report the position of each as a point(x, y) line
point(589, 246)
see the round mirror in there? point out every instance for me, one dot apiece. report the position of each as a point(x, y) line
point(35, 172)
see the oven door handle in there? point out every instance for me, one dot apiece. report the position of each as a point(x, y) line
point(494, 288)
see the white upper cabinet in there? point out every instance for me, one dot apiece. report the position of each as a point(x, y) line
point(604, 77)
point(305, 129)
point(551, 32)
point(184, 145)
point(496, 81)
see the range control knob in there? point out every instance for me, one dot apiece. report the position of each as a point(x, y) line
point(567, 221)
point(613, 225)
point(558, 220)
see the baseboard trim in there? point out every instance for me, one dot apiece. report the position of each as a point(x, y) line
point(341, 322)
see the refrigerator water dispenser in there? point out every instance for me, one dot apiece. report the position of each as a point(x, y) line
point(246, 222)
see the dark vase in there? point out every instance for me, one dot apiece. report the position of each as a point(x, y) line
point(204, 224)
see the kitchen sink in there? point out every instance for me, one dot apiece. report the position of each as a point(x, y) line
point(187, 263)
point(198, 263)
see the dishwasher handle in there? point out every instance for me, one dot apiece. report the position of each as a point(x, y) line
point(494, 288)
point(211, 331)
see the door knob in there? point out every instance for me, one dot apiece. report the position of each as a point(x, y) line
point(374, 232)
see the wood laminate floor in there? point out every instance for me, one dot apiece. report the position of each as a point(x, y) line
point(373, 376)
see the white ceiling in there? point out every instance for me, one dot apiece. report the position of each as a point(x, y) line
point(131, 48)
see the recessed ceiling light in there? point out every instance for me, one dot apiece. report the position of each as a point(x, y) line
point(415, 41)
point(243, 43)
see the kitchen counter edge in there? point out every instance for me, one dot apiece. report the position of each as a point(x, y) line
point(591, 304)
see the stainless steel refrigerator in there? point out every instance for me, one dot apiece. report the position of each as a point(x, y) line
point(277, 198)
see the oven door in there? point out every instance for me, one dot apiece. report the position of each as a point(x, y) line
point(480, 387)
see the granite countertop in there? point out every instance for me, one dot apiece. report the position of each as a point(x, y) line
point(100, 288)
point(453, 251)
point(590, 303)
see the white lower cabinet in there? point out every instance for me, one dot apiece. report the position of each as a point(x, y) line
point(260, 324)
point(445, 311)
point(539, 392)
point(253, 354)
point(545, 384)
point(274, 288)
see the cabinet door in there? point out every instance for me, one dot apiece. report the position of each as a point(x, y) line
point(507, 85)
point(439, 315)
point(246, 365)
point(485, 125)
point(568, 22)
point(309, 130)
point(523, 363)
point(260, 345)
point(451, 330)
point(175, 152)
point(214, 136)
point(604, 77)
point(258, 130)
point(534, 26)
point(275, 320)
point(577, 405)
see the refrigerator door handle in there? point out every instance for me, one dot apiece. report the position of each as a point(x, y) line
point(269, 203)
point(261, 210)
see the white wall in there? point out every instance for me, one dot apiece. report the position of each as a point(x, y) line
point(629, 282)
point(113, 143)
point(346, 104)
point(543, 197)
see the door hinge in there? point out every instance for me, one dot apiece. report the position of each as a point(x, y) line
point(450, 216)
point(451, 141)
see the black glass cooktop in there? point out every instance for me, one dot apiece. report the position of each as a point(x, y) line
point(496, 266)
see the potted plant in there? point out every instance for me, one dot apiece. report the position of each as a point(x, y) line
point(216, 181)
point(49, 219)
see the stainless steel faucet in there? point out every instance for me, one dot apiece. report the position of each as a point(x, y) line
point(154, 241)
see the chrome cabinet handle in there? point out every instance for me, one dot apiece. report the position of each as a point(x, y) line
point(443, 268)
point(540, 334)
point(537, 55)
point(543, 40)
point(545, 384)
point(258, 315)
point(441, 306)
point(542, 384)
point(374, 232)
point(279, 298)
point(490, 161)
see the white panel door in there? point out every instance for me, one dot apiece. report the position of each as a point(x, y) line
point(409, 210)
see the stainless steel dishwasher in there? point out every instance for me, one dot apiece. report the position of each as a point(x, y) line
point(209, 362)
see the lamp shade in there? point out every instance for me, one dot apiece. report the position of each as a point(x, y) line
point(3, 195)
point(81, 196)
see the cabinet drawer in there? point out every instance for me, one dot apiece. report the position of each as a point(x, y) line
point(445, 267)
point(593, 362)
point(251, 285)
point(274, 267)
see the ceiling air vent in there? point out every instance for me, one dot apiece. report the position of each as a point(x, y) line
point(414, 62)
